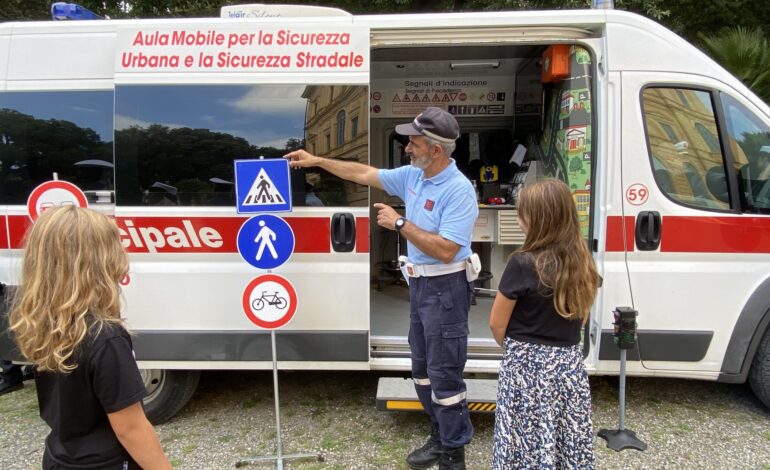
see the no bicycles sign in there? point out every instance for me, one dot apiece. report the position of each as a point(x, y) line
point(269, 301)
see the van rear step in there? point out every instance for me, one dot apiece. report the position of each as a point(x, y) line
point(398, 394)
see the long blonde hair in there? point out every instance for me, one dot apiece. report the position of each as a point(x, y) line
point(73, 261)
point(562, 260)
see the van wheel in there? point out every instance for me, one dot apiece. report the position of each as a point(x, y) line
point(167, 392)
point(759, 374)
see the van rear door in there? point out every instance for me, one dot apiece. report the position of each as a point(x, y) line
point(192, 98)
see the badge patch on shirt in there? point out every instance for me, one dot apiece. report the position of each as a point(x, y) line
point(429, 204)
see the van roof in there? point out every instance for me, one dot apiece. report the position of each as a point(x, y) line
point(623, 41)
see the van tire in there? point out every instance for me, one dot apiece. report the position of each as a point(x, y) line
point(759, 374)
point(167, 392)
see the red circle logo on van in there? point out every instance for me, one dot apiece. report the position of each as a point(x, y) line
point(637, 194)
point(52, 194)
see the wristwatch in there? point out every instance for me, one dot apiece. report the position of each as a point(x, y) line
point(400, 222)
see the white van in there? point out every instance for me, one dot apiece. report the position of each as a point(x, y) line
point(667, 154)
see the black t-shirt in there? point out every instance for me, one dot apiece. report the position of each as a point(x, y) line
point(534, 318)
point(75, 405)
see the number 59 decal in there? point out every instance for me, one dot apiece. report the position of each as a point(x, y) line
point(637, 194)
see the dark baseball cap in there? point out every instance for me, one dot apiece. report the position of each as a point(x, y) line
point(434, 123)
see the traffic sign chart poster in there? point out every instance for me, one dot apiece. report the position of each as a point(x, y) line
point(269, 301)
point(52, 194)
point(263, 185)
point(265, 241)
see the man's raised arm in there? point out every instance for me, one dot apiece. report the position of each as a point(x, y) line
point(351, 171)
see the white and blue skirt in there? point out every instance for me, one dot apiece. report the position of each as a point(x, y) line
point(543, 417)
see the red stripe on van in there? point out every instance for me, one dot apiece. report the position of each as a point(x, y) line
point(742, 234)
point(687, 234)
point(311, 234)
point(3, 233)
point(17, 227)
point(615, 233)
point(362, 235)
point(198, 234)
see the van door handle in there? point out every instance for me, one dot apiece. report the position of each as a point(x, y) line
point(343, 232)
point(648, 230)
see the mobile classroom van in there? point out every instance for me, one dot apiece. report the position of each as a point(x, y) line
point(666, 153)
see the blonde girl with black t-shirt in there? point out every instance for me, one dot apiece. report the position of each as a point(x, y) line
point(543, 417)
point(66, 320)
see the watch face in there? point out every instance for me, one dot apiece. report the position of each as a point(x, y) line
point(400, 223)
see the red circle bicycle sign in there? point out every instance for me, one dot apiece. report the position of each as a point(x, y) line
point(269, 301)
point(54, 193)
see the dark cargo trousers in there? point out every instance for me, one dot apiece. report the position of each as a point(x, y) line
point(438, 338)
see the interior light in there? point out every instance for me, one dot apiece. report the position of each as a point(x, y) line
point(474, 65)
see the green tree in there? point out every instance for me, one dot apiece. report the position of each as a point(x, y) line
point(745, 53)
point(690, 18)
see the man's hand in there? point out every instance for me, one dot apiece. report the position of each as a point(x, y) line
point(301, 159)
point(386, 216)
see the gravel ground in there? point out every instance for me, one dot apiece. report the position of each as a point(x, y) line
point(687, 424)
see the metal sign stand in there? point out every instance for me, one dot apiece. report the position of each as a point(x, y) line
point(279, 459)
point(625, 338)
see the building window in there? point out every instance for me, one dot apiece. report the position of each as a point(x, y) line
point(340, 128)
point(328, 141)
point(708, 136)
point(354, 127)
point(670, 132)
point(682, 98)
point(685, 171)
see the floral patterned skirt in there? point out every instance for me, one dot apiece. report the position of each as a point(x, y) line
point(543, 418)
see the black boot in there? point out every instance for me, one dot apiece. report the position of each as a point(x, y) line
point(452, 459)
point(427, 455)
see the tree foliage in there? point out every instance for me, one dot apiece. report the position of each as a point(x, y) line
point(745, 53)
point(687, 17)
point(31, 150)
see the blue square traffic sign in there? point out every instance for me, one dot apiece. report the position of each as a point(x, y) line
point(262, 185)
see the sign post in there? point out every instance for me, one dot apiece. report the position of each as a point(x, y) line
point(266, 242)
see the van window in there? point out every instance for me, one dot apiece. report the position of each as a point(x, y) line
point(67, 133)
point(686, 155)
point(175, 145)
point(750, 145)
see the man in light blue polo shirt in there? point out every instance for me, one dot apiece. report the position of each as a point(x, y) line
point(441, 209)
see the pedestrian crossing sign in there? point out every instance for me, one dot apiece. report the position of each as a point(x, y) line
point(262, 185)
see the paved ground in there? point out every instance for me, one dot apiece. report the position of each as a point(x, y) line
point(687, 424)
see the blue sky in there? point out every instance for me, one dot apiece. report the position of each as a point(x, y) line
point(265, 115)
point(91, 109)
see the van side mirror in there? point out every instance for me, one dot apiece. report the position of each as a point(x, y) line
point(716, 181)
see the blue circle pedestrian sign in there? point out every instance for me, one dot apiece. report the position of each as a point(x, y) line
point(265, 241)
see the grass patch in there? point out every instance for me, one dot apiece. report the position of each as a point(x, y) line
point(683, 428)
point(171, 437)
point(332, 442)
point(189, 448)
point(319, 466)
